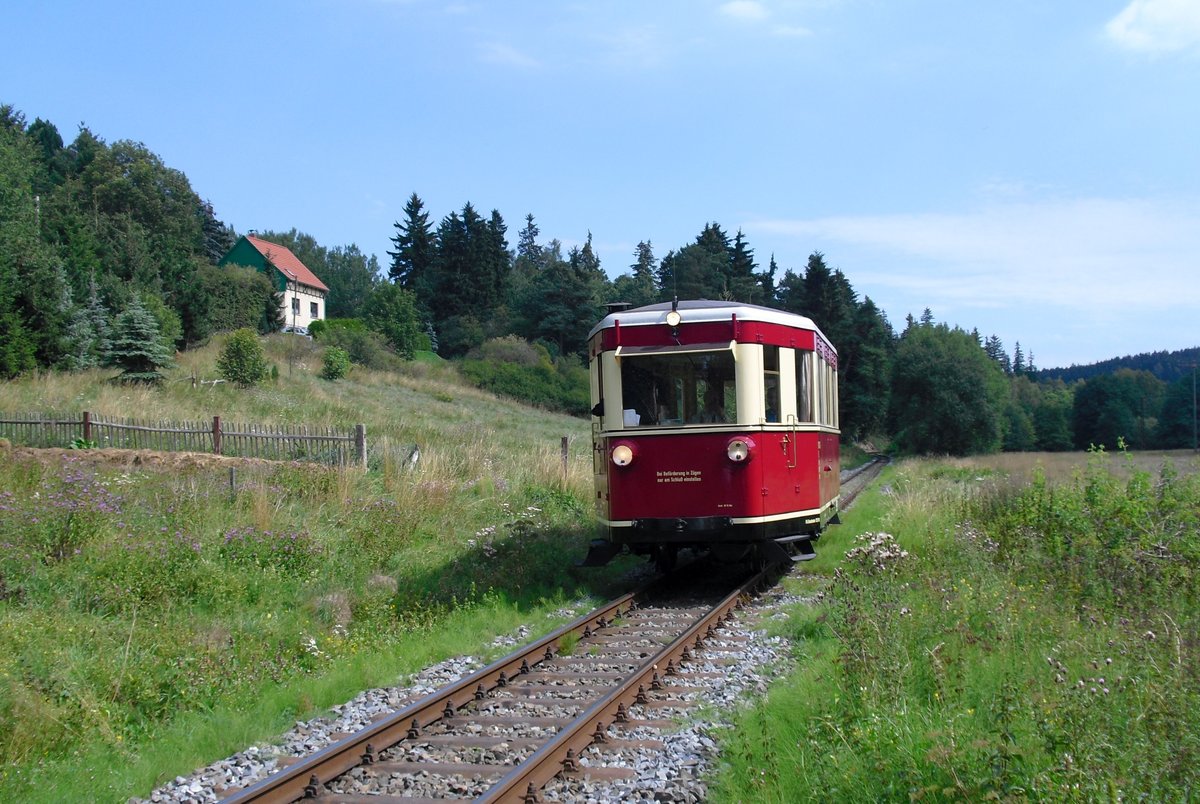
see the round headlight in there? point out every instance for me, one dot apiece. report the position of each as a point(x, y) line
point(739, 449)
point(622, 455)
point(673, 318)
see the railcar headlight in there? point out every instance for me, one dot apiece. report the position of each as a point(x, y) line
point(622, 454)
point(673, 318)
point(739, 449)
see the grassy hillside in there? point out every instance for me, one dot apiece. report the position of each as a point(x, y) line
point(155, 617)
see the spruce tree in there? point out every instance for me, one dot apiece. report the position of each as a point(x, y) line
point(218, 238)
point(415, 245)
point(529, 253)
point(790, 295)
point(638, 289)
point(137, 347)
point(741, 282)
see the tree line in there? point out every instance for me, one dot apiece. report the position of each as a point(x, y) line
point(96, 234)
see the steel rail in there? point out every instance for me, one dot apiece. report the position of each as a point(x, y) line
point(304, 777)
point(561, 752)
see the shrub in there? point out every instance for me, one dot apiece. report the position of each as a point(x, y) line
point(336, 363)
point(364, 347)
point(562, 387)
point(242, 360)
point(511, 349)
point(326, 325)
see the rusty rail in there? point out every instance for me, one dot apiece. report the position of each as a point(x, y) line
point(307, 777)
point(290, 784)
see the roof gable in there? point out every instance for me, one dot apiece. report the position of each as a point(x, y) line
point(286, 263)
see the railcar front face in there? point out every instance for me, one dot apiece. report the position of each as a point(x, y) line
point(702, 441)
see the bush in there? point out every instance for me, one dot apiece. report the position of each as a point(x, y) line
point(242, 360)
point(325, 325)
point(511, 349)
point(364, 347)
point(336, 363)
point(562, 387)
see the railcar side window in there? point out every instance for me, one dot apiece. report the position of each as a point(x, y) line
point(679, 389)
point(804, 386)
point(771, 382)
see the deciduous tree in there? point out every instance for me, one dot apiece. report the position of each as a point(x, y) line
point(242, 360)
point(947, 396)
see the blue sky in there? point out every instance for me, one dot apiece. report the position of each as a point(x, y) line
point(1027, 168)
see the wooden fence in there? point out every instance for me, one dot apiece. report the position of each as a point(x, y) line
point(331, 445)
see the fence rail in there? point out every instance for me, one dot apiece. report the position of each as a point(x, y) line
point(331, 445)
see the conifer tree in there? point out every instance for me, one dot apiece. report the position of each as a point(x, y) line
point(218, 238)
point(741, 281)
point(497, 260)
point(415, 245)
point(529, 253)
point(637, 288)
point(790, 293)
point(88, 333)
point(137, 347)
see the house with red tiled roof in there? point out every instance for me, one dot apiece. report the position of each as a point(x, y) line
point(303, 293)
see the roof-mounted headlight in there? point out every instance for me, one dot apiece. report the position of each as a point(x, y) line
point(673, 318)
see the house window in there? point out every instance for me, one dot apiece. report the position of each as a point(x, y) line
point(295, 305)
point(313, 311)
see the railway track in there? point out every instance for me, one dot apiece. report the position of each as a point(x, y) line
point(551, 709)
point(485, 736)
point(853, 482)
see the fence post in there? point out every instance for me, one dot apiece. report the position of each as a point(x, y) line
point(216, 435)
point(360, 445)
point(87, 426)
point(564, 458)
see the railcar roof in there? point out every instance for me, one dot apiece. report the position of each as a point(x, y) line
point(703, 310)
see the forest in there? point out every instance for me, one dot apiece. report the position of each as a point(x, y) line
point(106, 251)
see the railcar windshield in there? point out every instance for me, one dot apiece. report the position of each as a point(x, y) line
point(678, 388)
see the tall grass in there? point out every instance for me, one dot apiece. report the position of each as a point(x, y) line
point(153, 620)
point(1016, 640)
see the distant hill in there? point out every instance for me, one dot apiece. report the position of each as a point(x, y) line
point(1166, 366)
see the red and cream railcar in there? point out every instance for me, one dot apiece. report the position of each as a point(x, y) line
point(715, 426)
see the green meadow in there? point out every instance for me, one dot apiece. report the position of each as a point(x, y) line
point(1010, 628)
point(155, 616)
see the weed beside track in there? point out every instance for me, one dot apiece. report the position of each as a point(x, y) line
point(987, 638)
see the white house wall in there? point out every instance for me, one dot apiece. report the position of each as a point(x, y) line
point(307, 297)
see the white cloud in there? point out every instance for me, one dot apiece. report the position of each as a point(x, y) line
point(795, 31)
point(1157, 26)
point(746, 10)
point(507, 55)
point(1082, 254)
